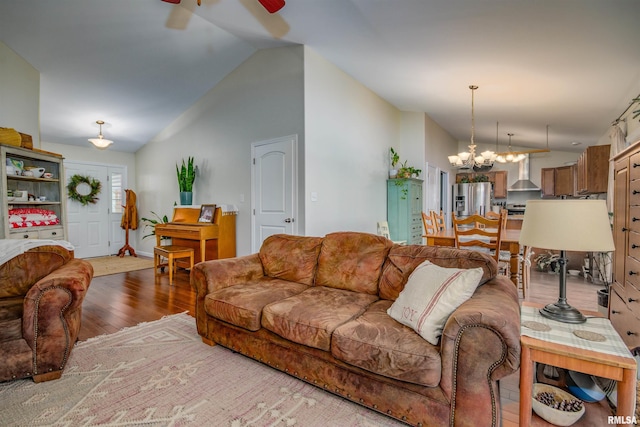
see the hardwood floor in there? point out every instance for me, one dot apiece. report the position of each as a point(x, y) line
point(126, 299)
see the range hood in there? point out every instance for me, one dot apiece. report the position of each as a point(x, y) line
point(523, 183)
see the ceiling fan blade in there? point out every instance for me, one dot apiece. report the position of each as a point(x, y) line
point(272, 6)
point(172, 1)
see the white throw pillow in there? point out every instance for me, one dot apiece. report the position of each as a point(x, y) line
point(431, 294)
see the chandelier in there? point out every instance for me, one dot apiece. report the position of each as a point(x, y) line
point(469, 159)
point(100, 142)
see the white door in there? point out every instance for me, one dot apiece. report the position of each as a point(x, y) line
point(274, 188)
point(92, 227)
point(432, 189)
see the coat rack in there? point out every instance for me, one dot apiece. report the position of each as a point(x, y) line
point(129, 222)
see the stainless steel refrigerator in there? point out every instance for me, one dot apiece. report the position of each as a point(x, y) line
point(471, 198)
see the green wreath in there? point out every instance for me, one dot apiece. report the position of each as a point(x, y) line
point(84, 197)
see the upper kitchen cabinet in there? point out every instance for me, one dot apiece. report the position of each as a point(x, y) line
point(593, 170)
point(558, 181)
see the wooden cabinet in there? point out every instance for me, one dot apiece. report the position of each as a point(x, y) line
point(498, 179)
point(558, 181)
point(50, 189)
point(593, 170)
point(624, 298)
point(404, 210)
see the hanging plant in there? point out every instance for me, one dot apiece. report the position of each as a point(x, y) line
point(84, 189)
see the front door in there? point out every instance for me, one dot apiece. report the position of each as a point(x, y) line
point(94, 229)
point(274, 187)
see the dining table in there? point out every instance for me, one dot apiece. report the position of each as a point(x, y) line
point(509, 241)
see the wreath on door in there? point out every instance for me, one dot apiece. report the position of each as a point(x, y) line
point(84, 189)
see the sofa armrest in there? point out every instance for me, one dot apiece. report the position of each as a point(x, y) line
point(52, 314)
point(481, 344)
point(209, 276)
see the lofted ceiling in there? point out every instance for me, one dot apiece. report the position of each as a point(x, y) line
point(138, 64)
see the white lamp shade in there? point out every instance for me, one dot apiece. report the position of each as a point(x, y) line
point(100, 142)
point(570, 225)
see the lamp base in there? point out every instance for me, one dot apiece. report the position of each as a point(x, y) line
point(562, 312)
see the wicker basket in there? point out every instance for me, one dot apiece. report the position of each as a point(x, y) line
point(10, 137)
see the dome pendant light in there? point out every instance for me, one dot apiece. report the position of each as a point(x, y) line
point(100, 142)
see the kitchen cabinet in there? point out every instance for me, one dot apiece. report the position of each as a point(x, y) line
point(558, 181)
point(624, 296)
point(498, 179)
point(404, 210)
point(51, 190)
point(593, 170)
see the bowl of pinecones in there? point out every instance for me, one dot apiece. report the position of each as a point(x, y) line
point(556, 406)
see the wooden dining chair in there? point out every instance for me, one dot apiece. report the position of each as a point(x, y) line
point(438, 220)
point(477, 232)
point(428, 224)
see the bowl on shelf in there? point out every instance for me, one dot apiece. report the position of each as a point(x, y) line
point(584, 387)
point(549, 414)
point(37, 172)
point(573, 272)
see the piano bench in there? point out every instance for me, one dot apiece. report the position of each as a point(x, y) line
point(171, 253)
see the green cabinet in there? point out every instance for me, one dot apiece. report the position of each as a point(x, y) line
point(404, 210)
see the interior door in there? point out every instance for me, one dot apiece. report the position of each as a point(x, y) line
point(274, 188)
point(88, 225)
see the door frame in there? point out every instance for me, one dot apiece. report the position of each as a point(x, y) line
point(294, 184)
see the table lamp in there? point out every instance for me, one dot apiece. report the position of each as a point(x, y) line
point(566, 225)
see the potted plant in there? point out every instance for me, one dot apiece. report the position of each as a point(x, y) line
point(152, 222)
point(186, 177)
point(395, 158)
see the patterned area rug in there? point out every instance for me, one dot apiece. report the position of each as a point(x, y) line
point(103, 266)
point(161, 374)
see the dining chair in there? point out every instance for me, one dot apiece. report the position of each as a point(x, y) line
point(477, 232)
point(428, 224)
point(383, 230)
point(438, 220)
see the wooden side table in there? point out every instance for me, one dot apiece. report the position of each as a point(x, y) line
point(619, 367)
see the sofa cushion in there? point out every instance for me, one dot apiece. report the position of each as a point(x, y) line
point(310, 317)
point(379, 344)
point(242, 304)
point(293, 258)
point(402, 260)
point(352, 261)
point(432, 293)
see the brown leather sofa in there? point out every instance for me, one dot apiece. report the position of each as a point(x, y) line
point(315, 308)
point(41, 294)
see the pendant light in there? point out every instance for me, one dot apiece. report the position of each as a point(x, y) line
point(100, 142)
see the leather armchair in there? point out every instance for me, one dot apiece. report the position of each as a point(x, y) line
point(41, 294)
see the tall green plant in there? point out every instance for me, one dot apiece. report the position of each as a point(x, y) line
point(186, 175)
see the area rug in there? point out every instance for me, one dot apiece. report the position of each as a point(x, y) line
point(103, 266)
point(161, 374)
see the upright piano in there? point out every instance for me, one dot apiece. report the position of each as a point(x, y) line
point(214, 240)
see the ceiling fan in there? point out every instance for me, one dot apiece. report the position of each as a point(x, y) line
point(272, 6)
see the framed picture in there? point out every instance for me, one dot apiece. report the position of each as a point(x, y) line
point(206, 213)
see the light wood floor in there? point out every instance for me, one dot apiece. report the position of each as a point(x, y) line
point(126, 299)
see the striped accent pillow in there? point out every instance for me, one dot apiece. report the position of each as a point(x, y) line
point(431, 294)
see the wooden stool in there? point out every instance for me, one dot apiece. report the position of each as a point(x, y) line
point(171, 253)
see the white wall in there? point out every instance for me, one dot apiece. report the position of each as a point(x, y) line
point(20, 94)
point(261, 99)
point(349, 130)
